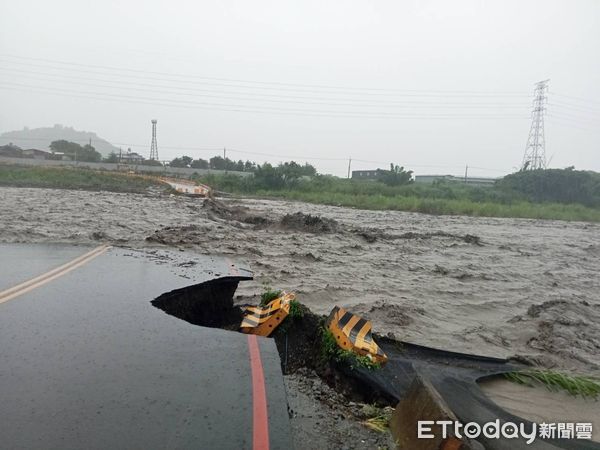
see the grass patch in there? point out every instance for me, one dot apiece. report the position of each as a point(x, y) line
point(556, 381)
point(72, 178)
point(441, 206)
point(330, 351)
point(378, 423)
point(439, 198)
point(296, 310)
point(296, 313)
point(377, 418)
point(269, 294)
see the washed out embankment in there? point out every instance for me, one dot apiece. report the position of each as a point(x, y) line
point(210, 304)
point(301, 344)
point(318, 397)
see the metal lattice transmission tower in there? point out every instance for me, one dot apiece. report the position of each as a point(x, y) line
point(535, 151)
point(154, 145)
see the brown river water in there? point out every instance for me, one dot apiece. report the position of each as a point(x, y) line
point(501, 287)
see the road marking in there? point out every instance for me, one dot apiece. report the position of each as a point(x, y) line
point(260, 419)
point(40, 280)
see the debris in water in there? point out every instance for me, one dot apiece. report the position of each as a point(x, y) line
point(219, 210)
point(306, 222)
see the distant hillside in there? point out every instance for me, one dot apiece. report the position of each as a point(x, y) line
point(40, 138)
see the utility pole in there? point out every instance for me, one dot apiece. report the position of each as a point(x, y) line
point(466, 171)
point(349, 163)
point(535, 150)
point(154, 145)
point(224, 153)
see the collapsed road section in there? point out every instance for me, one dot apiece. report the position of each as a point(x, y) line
point(422, 383)
point(87, 362)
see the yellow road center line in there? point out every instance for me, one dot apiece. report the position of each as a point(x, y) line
point(40, 280)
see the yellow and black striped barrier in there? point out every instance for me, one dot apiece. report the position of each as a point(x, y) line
point(263, 320)
point(353, 333)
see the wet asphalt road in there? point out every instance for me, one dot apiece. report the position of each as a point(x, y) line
point(87, 362)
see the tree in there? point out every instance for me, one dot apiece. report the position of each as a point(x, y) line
point(218, 163)
point(112, 158)
point(396, 176)
point(285, 175)
point(75, 151)
point(290, 171)
point(183, 161)
point(308, 170)
point(89, 153)
point(554, 185)
point(199, 164)
point(269, 177)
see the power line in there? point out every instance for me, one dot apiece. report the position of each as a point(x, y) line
point(571, 116)
point(488, 169)
point(117, 84)
point(278, 155)
point(268, 83)
point(583, 119)
point(565, 121)
point(423, 165)
point(207, 149)
point(585, 109)
point(245, 108)
point(216, 151)
point(572, 97)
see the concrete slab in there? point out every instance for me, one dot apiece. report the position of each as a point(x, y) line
point(87, 362)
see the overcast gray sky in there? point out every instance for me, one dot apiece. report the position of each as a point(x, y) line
point(432, 85)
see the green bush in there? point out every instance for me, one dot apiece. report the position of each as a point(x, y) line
point(554, 185)
point(330, 351)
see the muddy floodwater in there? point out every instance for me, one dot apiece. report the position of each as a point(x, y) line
point(500, 287)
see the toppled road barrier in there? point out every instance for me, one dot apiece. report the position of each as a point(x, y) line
point(353, 333)
point(264, 320)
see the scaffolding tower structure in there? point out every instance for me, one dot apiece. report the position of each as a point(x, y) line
point(154, 145)
point(535, 151)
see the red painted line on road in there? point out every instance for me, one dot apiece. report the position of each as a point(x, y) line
point(260, 419)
